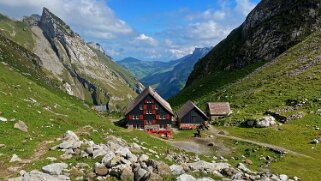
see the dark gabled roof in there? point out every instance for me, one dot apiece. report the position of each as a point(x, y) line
point(187, 107)
point(219, 108)
point(149, 91)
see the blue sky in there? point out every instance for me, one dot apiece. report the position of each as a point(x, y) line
point(146, 29)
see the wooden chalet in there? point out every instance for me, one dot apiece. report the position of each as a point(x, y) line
point(149, 111)
point(189, 116)
point(218, 110)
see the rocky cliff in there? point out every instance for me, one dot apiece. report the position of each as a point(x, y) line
point(271, 28)
point(84, 70)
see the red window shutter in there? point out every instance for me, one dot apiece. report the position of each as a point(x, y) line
point(145, 122)
point(145, 106)
point(154, 121)
point(153, 107)
point(157, 116)
point(141, 117)
point(145, 111)
point(167, 116)
point(130, 117)
point(154, 111)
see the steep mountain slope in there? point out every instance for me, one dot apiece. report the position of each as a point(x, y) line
point(167, 77)
point(270, 29)
point(142, 69)
point(78, 68)
point(169, 83)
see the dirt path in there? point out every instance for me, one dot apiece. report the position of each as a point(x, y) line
point(272, 147)
point(41, 150)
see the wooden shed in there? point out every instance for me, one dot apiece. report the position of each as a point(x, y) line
point(218, 110)
point(149, 111)
point(189, 116)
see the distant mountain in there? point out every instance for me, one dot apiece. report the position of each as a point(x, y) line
point(81, 69)
point(142, 69)
point(167, 77)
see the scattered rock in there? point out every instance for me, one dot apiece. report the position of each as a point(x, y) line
point(52, 159)
point(211, 167)
point(177, 169)
point(2, 146)
point(21, 126)
point(100, 169)
point(316, 141)
point(249, 162)
point(242, 167)
point(140, 174)
point(55, 168)
point(65, 156)
point(143, 158)
point(107, 158)
point(283, 177)
point(39, 176)
point(15, 158)
point(154, 177)
point(185, 177)
point(127, 174)
point(3, 119)
point(221, 133)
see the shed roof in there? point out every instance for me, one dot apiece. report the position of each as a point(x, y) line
point(149, 91)
point(219, 108)
point(187, 107)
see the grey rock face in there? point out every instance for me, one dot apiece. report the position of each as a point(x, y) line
point(55, 168)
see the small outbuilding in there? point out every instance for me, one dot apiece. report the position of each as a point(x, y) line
point(218, 110)
point(189, 116)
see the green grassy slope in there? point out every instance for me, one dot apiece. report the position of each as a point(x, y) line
point(294, 76)
point(48, 113)
point(17, 31)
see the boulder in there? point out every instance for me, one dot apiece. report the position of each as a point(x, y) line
point(123, 151)
point(15, 158)
point(177, 169)
point(52, 159)
point(143, 158)
point(127, 174)
point(163, 168)
point(316, 141)
point(242, 167)
point(154, 177)
point(109, 155)
point(266, 121)
point(55, 168)
point(114, 161)
point(40, 176)
point(185, 177)
point(283, 177)
point(2, 145)
point(70, 136)
point(140, 174)
point(100, 169)
point(21, 126)
point(99, 152)
point(211, 167)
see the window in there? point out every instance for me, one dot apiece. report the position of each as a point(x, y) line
point(162, 116)
point(156, 106)
point(149, 111)
point(135, 117)
point(140, 106)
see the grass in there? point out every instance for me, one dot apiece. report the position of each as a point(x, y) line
point(17, 31)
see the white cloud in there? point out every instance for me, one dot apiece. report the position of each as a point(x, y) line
point(244, 6)
point(92, 17)
point(142, 38)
